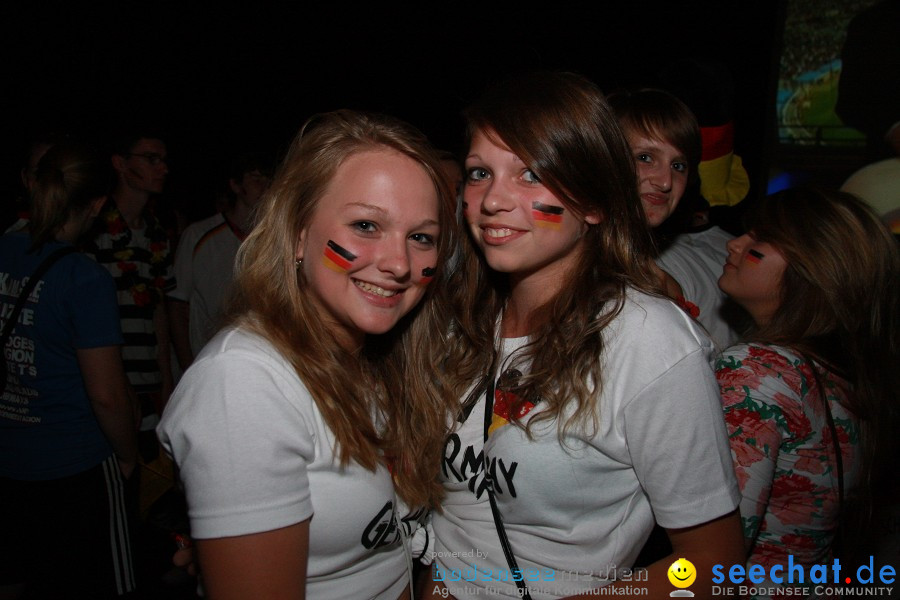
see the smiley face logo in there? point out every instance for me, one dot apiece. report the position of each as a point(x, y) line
point(682, 573)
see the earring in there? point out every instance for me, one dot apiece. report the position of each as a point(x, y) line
point(298, 262)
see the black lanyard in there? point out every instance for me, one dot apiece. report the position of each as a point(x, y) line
point(515, 571)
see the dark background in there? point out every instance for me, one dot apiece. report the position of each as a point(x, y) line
point(218, 81)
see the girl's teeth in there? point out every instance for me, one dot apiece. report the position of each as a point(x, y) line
point(374, 289)
point(498, 233)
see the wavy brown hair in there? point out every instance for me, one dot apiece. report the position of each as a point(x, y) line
point(839, 302)
point(561, 127)
point(392, 376)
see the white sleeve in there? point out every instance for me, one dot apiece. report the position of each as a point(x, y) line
point(239, 429)
point(673, 263)
point(184, 260)
point(675, 430)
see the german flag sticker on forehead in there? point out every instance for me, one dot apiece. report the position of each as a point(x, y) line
point(546, 215)
point(336, 258)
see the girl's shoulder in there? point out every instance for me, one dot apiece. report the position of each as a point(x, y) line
point(656, 321)
point(239, 339)
point(237, 347)
point(761, 361)
point(777, 358)
point(240, 367)
point(769, 370)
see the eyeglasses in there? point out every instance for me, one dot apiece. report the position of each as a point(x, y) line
point(151, 157)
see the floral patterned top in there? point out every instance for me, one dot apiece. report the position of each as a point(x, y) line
point(783, 451)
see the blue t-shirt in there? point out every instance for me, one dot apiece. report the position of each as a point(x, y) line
point(47, 426)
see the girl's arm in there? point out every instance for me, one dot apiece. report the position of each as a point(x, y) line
point(268, 565)
point(714, 542)
point(756, 426)
point(110, 398)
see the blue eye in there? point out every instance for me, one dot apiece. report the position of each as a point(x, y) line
point(529, 176)
point(680, 167)
point(643, 157)
point(423, 238)
point(477, 174)
point(364, 226)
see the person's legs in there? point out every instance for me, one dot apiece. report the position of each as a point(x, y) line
point(77, 544)
point(16, 545)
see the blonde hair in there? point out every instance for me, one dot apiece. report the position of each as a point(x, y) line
point(560, 125)
point(68, 178)
point(392, 377)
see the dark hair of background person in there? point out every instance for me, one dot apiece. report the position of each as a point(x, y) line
point(68, 178)
point(657, 114)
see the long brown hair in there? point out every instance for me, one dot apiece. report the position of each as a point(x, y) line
point(392, 377)
point(561, 127)
point(839, 302)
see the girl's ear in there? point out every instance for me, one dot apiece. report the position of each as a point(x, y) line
point(96, 205)
point(299, 253)
point(118, 163)
point(593, 218)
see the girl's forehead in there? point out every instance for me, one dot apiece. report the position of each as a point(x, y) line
point(647, 131)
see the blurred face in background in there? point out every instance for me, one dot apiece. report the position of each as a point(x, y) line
point(144, 168)
point(251, 187)
point(662, 175)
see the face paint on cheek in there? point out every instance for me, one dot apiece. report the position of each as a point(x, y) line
point(427, 275)
point(546, 215)
point(336, 258)
point(753, 257)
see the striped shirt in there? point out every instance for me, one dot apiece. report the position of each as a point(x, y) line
point(140, 263)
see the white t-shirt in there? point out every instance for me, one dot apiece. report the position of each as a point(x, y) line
point(204, 270)
point(695, 260)
point(255, 455)
point(573, 515)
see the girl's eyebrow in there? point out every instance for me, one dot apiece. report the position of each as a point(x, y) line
point(369, 207)
point(380, 211)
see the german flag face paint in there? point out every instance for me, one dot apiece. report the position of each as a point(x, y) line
point(754, 256)
point(427, 275)
point(546, 215)
point(753, 283)
point(336, 258)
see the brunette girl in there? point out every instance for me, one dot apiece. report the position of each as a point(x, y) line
point(589, 403)
point(811, 397)
point(666, 144)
